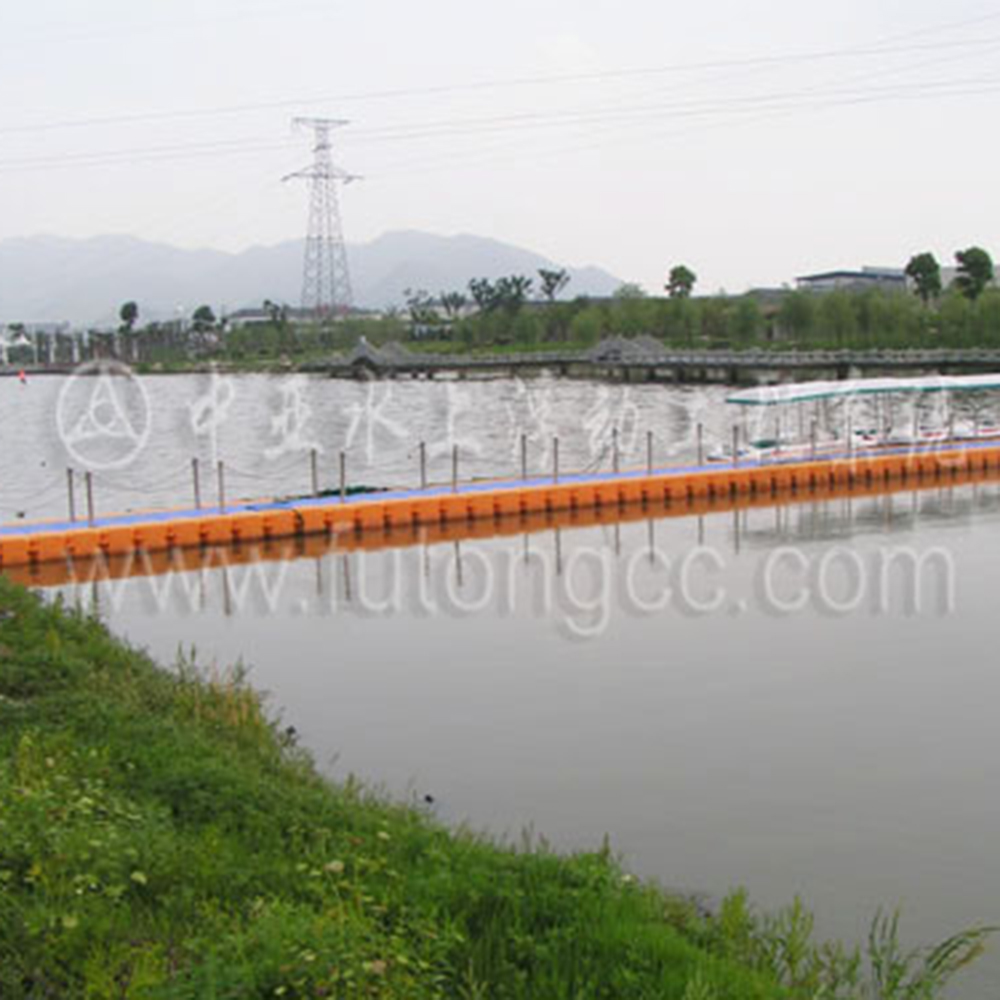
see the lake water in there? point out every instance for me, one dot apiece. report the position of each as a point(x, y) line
point(798, 700)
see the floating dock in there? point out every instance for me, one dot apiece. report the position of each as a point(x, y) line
point(483, 508)
point(141, 563)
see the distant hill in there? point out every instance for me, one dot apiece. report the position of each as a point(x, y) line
point(47, 278)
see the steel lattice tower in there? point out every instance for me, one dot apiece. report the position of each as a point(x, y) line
point(326, 281)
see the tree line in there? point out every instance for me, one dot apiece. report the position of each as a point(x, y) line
point(521, 312)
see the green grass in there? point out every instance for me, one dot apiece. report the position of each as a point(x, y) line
point(161, 836)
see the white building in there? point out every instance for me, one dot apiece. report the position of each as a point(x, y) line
point(888, 278)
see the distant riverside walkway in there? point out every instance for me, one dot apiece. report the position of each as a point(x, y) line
point(638, 359)
point(643, 359)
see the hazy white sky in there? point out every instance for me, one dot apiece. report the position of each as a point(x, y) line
point(752, 141)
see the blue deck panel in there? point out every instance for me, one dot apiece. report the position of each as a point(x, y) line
point(486, 486)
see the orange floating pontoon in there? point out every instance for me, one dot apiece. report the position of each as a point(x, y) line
point(484, 504)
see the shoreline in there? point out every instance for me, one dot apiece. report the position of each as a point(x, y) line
point(163, 835)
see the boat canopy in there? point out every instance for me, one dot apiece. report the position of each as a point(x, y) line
point(801, 392)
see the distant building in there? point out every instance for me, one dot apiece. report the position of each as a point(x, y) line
point(293, 315)
point(888, 278)
point(262, 317)
point(36, 329)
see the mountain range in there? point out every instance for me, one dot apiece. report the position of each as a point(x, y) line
point(84, 281)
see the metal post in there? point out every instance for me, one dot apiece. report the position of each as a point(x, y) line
point(524, 456)
point(454, 468)
point(649, 452)
point(196, 479)
point(736, 445)
point(89, 478)
point(701, 445)
point(423, 465)
point(812, 440)
point(343, 477)
point(850, 436)
point(314, 471)
point(615, 463)
point(555, 459)
point(221, 473)
point(777, 437)
point(72, 495)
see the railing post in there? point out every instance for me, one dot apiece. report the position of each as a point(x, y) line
point(343, 477)
point(701, 445)
point(221, 474)
point(736, 445)
point(812, 440)
point(196, 480)
point(649, 453)
point(615, 460)
point(89, 479)
point(423, 465)
point(524, 457)
point(71, 495)
point(314, 472)
point(555, 459)
point(454, 468)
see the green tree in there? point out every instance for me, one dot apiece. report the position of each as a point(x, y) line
point(975, 271)
point(797, 315)
point(838, 318)
point(628, 291)
point(128, 314)
point(631, 313)
point(744, 322)
point(954, 319)
point(525, 329)
point(278, 315)
point(512, 292)
point(483, 294)
point(453, 303)
point(553, 282)
point(420, 306)
point(587, 326)
point(203, 319)
point(986, 318)
point(681, 282)
point(925, 273)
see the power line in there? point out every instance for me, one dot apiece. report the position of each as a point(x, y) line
point(131, 154)
point(701, 106)
point(614, 116)
point(646, 137)
point(875, 51)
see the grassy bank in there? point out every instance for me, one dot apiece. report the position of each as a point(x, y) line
point(160, 836)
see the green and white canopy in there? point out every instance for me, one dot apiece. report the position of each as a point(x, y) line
point(803, 392)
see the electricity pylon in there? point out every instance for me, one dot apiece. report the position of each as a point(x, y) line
point(326, 280)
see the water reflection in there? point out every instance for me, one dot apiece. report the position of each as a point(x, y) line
point(569, 675)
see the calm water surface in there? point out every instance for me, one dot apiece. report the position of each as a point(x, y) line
point(846, 750)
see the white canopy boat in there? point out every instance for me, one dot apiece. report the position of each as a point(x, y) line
point(855, 415)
